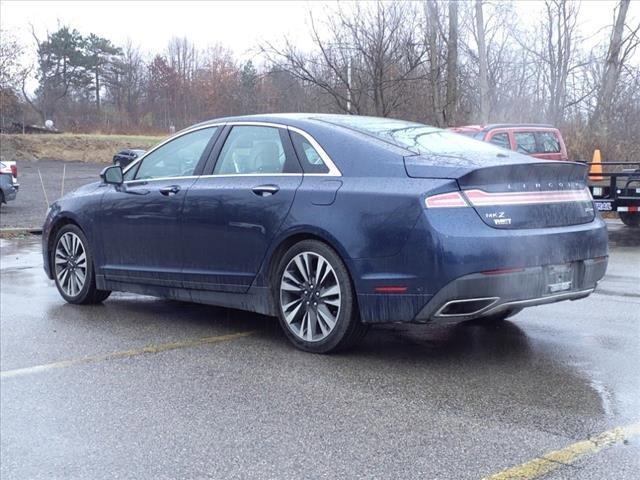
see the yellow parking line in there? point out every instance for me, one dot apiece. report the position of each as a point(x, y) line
point(553, 460)
point(163, 347)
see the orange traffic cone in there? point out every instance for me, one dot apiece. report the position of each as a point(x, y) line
point(595, 171)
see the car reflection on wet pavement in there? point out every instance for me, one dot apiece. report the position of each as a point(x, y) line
point(149, 388)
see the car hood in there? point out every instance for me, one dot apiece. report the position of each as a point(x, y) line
point(83, 190)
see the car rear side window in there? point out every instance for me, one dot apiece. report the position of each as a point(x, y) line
point(309, 157)
point(537, 142)
point(414, 137)
point(177, 158)
point(501, 140)
point(525, 142)
point(548, 142)
point(251, 150)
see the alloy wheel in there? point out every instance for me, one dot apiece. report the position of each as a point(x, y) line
point(70, 264)
point(310, 296)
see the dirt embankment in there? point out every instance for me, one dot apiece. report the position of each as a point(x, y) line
point(70, 147)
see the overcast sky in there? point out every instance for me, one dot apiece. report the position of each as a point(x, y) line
point(238, 25)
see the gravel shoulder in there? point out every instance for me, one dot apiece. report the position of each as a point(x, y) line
point(70, 147)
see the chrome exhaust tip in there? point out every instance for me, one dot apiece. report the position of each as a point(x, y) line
point(466, 307)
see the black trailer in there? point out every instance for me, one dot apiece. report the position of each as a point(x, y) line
point(618, 191)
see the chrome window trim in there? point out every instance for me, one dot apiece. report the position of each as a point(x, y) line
point(145, 181)
point(334, 171)
point(252, 175)
point(244, 123)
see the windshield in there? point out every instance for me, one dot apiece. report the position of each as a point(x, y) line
point(416, 137)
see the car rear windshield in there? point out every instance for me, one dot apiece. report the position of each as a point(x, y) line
point(415, 137)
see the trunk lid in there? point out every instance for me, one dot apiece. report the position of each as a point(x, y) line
point(514, 191)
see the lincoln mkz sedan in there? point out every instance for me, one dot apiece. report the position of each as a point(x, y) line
point(331, 223)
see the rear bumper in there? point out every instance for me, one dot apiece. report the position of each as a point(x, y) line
point(479, 295)
point(444, 257)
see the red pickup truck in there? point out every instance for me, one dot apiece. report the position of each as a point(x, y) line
point(537, 140)
point(612, 191)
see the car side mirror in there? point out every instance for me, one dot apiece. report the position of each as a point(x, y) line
point(112, 175)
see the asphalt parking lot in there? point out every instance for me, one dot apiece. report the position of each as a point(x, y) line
point(30, 206)
point(147, 388)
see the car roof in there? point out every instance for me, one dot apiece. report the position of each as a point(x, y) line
point(293, 119)
point(349, 146)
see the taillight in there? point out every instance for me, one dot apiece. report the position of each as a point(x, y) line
point(12, 169)
point(480, 198)
point(446, 200)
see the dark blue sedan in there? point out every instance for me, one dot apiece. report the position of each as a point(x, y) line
point(331, 223)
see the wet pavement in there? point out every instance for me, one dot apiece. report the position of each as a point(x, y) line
point(81, 396)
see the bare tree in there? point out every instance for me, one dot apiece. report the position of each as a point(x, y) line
point(556, 56)
point(11, 67)
point(451, 106)
point(12, 72)
point(368, 59)
point(182, 57)
point(126, 85)
point(620, 49)
point(436, 67)
point(482, 60)
point(432, 61)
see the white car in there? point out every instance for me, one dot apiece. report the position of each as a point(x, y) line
point(8, 181)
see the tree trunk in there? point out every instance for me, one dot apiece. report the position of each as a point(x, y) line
point(600, 118)
point(97, 90)
point(434, 62)
point(482, 58)
point(452, 66)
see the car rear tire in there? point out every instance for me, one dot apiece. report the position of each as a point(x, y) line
point(630, 219)
point(315, 299)
point(72, 267)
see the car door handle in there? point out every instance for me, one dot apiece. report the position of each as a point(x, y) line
point(170, 190)
point(265, 190)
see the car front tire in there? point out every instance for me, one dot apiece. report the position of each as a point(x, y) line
point(315, 299)
point(73, 269)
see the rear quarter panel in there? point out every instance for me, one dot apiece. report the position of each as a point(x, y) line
point(371, 218)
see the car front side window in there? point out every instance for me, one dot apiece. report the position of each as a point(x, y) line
point(501, 140)
point(177, 158)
